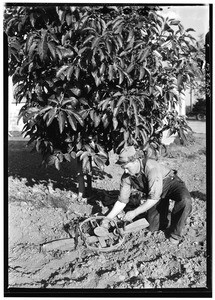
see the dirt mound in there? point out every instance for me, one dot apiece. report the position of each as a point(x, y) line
point(42, 202)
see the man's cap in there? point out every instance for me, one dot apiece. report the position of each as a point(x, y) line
point(126, 155)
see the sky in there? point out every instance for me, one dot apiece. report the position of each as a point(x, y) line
point(196, 17)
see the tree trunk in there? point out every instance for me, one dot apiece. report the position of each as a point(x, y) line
point(191, 98)
point(81, 185)
point(89, 179)
point(84, 180)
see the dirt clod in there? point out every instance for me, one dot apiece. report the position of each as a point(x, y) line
point(43, 206)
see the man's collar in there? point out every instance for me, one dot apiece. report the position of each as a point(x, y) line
point(141, 168)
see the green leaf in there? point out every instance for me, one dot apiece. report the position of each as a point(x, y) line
point(38, 144)
point(97, 119)
point(119, 41)
point(83, 113)
point(76, 91)
point(119, 29)
point(174, 22)
point(88, 39)
point(95, 42)
point(129, 80)
point(97, 79)
point(130, 68)
point(69, 72)
point(60, 156)
point(117, 21)
point(72, 122)
point(61, 70)
point(51, 115)
point(156, 53)
point(130, 35)
point(90, 29)
point(84, 154)
point(103, 25)
point(115, 112)
point(101, 150)
point(139, 44)
point(77, 72)
point(180, 82)
point(64, 38)
point(83, 101)
point(42, 111)
point(82, 50)
point(190, 29)
point(71, 100)
point(69, 19)
point(135, 112)
point(130, 44)
point(32, 19)
point(92, 114)
point(104, 103)
point(30, 67)
point(109, 47)
point(61, 14)
point(142, 73)
point(121, 76)
point(160, 90)
point(144, 136)
point(83, 20)
point(102, 69)
point(143, 54)
point(32, 49)
point(53, 100)
point(121, 99)
point(147, 70)
point(85, 162)
point(59, 53)
point(105, 121)
point(79, 153)
point(43, 46)
point(15, 44)
point(50, 160)
point(137, 131)
point(110, 77)
point(88, 148)
point(117, 94)
point(115, 123)
point(57, 163)
point(99, 162)
point(78, 118)
point(165, 44)
point(67, 156)
point(73, 154)
point(61, 120)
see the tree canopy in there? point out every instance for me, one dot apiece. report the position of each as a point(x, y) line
point(97, 78)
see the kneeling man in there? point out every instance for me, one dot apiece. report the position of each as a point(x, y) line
point(160, 184)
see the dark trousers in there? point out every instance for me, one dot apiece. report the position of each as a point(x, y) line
point(174, 189)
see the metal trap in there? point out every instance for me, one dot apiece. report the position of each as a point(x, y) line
point(98, 238)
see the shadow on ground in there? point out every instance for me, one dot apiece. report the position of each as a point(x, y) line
point(199, 195)
point(22, 163)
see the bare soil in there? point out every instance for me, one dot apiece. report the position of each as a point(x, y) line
point(43, 205)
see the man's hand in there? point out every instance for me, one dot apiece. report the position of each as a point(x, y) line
point(129, 216)
point(105, 223)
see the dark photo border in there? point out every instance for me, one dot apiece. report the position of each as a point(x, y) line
point(117, 293)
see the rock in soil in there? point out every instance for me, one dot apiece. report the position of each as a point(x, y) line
point(145, 260)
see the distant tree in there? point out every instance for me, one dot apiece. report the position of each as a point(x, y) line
point(200, 58)
point(208, 66)
point(97, 78)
